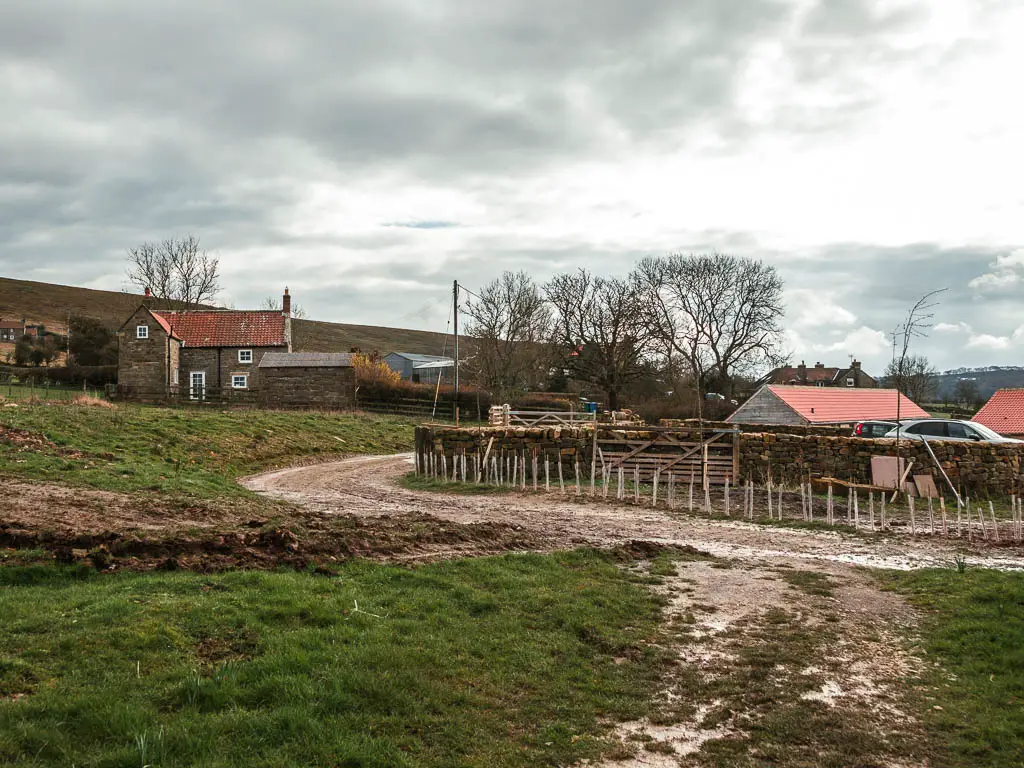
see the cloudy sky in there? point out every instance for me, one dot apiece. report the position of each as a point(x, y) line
point(367, 152)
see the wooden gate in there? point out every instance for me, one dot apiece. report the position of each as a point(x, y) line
point(707, 457)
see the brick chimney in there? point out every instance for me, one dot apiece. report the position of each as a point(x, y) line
point(286, 303)
point(819, 365)
point(149, 293)
point(856, 365)
point(801, 371)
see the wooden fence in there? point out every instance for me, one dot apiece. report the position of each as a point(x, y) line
point(708, 458)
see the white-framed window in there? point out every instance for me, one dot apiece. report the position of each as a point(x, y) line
point(174, 376)
point(850, 382)
point(245, 355)
point(142, 332)
point(239, 381)
point(197, 385)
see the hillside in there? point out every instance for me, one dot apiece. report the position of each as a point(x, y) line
point(51, 304)
point(988, 379)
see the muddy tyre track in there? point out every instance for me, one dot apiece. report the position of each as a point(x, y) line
point(366, 487)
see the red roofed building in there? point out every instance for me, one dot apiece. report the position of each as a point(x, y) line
point(1004, 413)
point(165, 352)
point(794, 406)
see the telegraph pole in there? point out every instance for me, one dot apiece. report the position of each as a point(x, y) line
point(455, 313)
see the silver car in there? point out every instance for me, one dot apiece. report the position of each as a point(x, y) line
point(950, 429)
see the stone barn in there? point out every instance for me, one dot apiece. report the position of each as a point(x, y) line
point(307, 379)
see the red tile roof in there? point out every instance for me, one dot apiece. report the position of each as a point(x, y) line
point(1004, 412)
point(165, 325)
point(226, 328)
point(837, 405)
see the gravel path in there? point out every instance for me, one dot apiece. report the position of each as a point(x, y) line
point(366, 487)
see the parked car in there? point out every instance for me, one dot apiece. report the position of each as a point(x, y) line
point(874, 428)
point(950, 429)
point(714, 396)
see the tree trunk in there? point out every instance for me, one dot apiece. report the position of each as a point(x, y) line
point(613, 400)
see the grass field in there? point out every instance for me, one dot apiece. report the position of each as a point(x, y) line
point(191, 453)
point(974, 632)
point(508, 661)
point(20, 392)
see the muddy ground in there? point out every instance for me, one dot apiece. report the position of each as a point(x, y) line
point(781, 652)
point(366, 488)
point(354, 508)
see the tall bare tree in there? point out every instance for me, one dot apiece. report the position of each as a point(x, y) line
point(175, 269)
point(601, 335)
point(719, 314)
point(918, 321)
point(510, 323)
point(914, 376)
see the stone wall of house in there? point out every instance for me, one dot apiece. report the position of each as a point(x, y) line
point(979, 470)
point(142, 363)
point(220, 364)
point(307, 387)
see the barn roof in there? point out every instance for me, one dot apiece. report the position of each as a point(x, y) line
point(306, 360)
point(836, 405)
point(1004, 413)
point(226, 328)
point(417, 358)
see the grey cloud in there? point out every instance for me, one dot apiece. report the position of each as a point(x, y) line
point(127, 121)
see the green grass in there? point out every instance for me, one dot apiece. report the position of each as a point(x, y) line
point(190, 453)
point(974, 630)
point(19, 392)
point(414, 482)
point(507, 661)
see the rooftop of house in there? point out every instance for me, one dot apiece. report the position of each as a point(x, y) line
point(1004, 413)
point(803, 374)
point(10, 325)
point(306, 360)
point(828, 405)
point(225, 328)
point(416, 358)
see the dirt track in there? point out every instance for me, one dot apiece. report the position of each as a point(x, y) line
point(365, 487)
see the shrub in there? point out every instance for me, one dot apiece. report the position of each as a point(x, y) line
point(371, 369)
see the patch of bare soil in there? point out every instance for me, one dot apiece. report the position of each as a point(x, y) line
point(138, 532)
point(23, 440)
point(780, 665)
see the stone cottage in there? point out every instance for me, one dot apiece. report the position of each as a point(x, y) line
point(198, 353)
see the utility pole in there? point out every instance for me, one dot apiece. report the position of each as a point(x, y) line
point(455, 314)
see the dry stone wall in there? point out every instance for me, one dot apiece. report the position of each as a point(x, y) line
point(775, 429)
point(979, 470)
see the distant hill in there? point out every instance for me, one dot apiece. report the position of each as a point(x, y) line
point(988, 379)
point(51, 304)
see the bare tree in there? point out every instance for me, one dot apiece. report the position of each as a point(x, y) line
point(720, 314)
point(967, 393)
point(601, 334)
point(510, 323)
point(176, 269)
point(274, 303)
point(919, 320)
point(914, 376)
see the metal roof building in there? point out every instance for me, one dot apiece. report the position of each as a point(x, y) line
point(418, 368)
